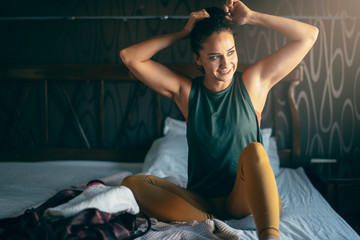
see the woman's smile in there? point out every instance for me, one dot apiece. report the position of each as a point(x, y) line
point(225, 71)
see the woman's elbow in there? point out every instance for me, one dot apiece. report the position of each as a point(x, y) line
point(314, 34)
point(311, 36)
point(124, 55)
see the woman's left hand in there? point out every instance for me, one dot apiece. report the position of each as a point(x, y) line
point(194, 18)
point(240, 13)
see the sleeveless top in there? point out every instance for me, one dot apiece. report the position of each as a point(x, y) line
point(219, 126)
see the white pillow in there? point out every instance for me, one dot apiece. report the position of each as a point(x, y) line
point(174, 127)
point(270, 146)
point(168, 156)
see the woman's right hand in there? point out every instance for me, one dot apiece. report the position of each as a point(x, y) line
point(240, 13)
point(194, 18)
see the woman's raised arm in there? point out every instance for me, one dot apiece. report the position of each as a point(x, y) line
point(158, 77)
point(265, 73)
point(155, 75)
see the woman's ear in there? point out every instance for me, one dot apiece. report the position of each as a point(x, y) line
point(197, 59)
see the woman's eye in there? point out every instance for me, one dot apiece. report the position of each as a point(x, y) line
point(214, 57)
point(230, 53)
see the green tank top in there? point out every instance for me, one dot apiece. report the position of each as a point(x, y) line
point(219, 126)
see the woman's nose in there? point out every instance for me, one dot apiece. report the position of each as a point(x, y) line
point(224, 61)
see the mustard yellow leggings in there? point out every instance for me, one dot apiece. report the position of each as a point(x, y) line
point(254, 192)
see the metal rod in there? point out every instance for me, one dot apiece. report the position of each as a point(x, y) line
point(164, 17)
point(73, 18)
point(67, 118)
point(77, 121)
point(19, 113)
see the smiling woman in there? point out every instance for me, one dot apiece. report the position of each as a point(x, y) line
point(229, 171)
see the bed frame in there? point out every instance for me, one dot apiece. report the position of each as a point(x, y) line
point(26, 75)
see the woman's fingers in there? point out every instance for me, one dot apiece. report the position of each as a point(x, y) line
point(225, 8)
point(238, 10)
point(199, 15)
point(229, 2)
point(194, 18)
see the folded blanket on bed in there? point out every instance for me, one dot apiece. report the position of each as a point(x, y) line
point(104, 198)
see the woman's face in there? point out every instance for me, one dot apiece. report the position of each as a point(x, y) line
point(218, 58)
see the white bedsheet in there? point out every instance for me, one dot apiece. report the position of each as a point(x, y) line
point(306, 214)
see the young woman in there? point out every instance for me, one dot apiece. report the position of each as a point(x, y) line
point(229, 171)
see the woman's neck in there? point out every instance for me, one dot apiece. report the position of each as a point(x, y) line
point(215, 85)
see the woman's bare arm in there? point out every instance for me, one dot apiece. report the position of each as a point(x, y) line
point(265, 73)
point(155, 75)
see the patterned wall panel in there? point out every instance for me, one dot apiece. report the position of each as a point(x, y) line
point(328, 98)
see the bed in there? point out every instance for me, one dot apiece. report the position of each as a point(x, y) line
point(31, 173)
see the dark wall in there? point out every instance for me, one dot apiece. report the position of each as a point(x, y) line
point(89, 41)
point(328, 98)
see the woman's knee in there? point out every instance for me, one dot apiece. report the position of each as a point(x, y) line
point(128, 181)
point(133, 181)
point(255, 153)
point(139, 181)
point(254, 147)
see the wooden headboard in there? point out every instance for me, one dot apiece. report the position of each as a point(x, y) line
point(24, 77)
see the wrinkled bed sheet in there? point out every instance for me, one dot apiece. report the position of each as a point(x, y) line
point(306, 214)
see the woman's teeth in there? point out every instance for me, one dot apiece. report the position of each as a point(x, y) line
point(225, 72)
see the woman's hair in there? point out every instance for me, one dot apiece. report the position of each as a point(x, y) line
point(206, 27)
